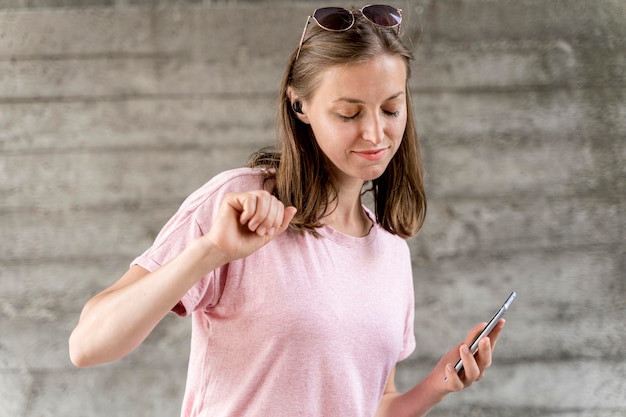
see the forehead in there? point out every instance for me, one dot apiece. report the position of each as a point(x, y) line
point(383, 75)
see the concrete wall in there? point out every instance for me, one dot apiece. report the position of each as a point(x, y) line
point(112, 112)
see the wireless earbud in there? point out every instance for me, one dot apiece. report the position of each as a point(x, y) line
point(297, 107)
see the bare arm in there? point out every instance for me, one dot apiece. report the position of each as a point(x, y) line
point(116, 321)
point(443, 380)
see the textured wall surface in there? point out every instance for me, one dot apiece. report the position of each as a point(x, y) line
point(111, 113)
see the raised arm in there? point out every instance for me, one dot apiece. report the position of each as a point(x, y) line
point(117, 320)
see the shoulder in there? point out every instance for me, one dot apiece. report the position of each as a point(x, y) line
point(233, 180)
point(239, 179)
point(385, 237)
point(392, 240)
point(201, 205)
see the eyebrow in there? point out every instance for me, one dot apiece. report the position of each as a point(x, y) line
point(356, 101)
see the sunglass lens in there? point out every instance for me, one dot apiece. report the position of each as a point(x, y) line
point(334, 18)
point(383, 15)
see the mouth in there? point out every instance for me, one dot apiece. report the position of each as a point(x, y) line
point(372, 154)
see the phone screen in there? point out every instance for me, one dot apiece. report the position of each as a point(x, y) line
point(488, 328)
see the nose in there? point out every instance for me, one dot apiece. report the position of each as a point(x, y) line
point(373, 129)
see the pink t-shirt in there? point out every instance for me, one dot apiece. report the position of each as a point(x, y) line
point(305, 326)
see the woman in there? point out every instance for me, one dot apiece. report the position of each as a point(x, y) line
point(301, 298)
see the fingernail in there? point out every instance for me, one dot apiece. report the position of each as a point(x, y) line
point(272, 231)
point(465, 349)
point(261, 231)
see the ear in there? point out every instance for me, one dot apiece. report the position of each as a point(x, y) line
point(293, 97)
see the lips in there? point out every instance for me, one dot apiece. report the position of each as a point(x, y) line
point(372, 155)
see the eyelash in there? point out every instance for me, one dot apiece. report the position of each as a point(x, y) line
point(388, 113)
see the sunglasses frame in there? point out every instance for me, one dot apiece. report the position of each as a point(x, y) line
point(312, 16)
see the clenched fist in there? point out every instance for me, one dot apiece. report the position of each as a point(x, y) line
point(246, 221)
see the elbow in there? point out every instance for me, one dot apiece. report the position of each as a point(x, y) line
point(76, 354)
point(77, 351)
point(85, 352)
point(78, 360)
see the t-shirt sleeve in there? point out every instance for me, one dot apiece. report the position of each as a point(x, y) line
point(191, 221)
point(408, 345)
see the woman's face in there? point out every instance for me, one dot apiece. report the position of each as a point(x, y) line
point(358, 115)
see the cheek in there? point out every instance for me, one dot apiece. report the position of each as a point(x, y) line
point(333, 136)
point(397, 130)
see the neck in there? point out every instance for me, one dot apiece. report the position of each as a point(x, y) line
point(347, 214)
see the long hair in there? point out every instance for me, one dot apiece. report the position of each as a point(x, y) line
point(303, 174)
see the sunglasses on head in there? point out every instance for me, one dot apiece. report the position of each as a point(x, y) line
point(338, 19)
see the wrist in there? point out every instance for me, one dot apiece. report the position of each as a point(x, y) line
point(208, 256)
point(419, 400)
point(426, 394)
point(433, 386)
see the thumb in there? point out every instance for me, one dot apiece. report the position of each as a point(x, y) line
point(288, 215)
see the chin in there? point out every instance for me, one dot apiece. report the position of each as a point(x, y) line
point(373, 174)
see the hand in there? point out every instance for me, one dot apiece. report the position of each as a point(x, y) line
point(444, 378)
point(247, 221)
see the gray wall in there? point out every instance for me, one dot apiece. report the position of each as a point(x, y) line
point(112, 112)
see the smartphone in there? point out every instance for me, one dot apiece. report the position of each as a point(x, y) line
point(488, 328)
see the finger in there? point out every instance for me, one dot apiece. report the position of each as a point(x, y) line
point(272, 217)
point(474, 332)
point(275, 218)
point(248, 205)
point(260, 220)
point(452, 380)
point(484, 355)
point(257, 209)
point(470, 367)
point(495, 333)
point(288, 215)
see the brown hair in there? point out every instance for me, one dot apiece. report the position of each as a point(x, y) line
point(303, 175)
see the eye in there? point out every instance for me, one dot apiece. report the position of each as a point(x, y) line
point(392, 113)
point(348, 118)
